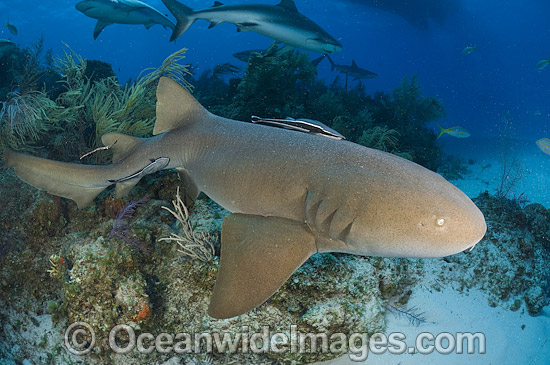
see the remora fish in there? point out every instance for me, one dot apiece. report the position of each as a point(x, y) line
point(281, 22)
point(300, 125)
point(108, 12)
point(291, 195)
point(457, 132)
point(353, 71)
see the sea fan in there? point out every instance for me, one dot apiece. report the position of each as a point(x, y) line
point(120, 227)
point(413, 314)
point(24, 118)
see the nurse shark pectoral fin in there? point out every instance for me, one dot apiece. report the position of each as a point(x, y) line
point(258, 255)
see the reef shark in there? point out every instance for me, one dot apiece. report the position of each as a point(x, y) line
point(6, 47)
point(108, 12)
point(281, 22)
point(353, 71)
point(291, 194)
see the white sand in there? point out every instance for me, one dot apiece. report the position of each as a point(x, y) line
point(450, 311)
point(532, 161)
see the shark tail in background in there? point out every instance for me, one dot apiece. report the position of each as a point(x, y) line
point(183, 15)
point(441, 130)
point(331, 63)
point(318, 60)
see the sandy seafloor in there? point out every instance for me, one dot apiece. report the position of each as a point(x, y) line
point(450, 311)
point(511, 337)
point(484, 151)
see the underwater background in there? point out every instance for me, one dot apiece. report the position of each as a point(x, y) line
point(476, 68)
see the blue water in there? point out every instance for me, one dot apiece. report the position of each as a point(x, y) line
point(476, 89)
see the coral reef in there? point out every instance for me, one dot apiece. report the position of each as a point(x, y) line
point(23, 119)
point(453, 167)
point(91, 104)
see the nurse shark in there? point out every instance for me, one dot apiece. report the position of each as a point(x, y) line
point(291, 194)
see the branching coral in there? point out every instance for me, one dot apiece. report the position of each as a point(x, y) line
point(91, 108)
point(31, 68)
point(275, 86)
point(196, 245)
point(512, 171)
point(380, 137)
point(23, 118)
point(132, 110)
point(72, 67)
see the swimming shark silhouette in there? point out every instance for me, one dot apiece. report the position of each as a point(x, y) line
point(281, 22)
point(6, 47)
point(108, 12)
point(290, 194)
point(354, 71)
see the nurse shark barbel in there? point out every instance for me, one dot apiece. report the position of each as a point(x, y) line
point(291, 194)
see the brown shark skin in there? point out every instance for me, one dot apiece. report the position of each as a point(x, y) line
point(287, 174)
point(334, 195)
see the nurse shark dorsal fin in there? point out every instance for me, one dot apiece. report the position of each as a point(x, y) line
point(256, 259)
point(176, 107)
point(120, 144)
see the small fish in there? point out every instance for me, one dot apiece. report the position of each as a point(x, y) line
point(544, 145)
point(352, 71)
point(458, 132)
point(300, 125)
point(541, 65)
point(485, 167)
point(11, 28)
point(469, 49)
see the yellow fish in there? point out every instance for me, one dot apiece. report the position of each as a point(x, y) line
point(11, 28)
point(544, 145)
point(458, 132)
point(541, 65)
point(469, 49)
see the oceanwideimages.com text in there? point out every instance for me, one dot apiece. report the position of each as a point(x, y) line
point(80, 340)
